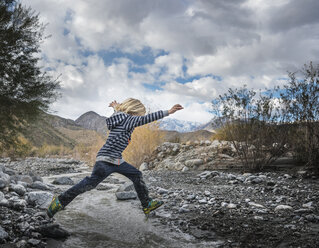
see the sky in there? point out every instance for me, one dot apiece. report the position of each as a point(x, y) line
point(166, 52)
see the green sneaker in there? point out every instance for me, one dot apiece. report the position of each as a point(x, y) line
point(54, 207)
point(152, 205)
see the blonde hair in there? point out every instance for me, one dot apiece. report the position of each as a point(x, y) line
point(131, 106)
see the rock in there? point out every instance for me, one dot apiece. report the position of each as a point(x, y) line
point(144, 166)
point(128, 186)
point(34, 242)
point(184, 209)
point(1, 196)
point(103, 186)
point(126, 195)
point(53, 231)
point(185, 168)
point(256, 217)
point(224, 204)
point(21, 244)
point(4, 180)
point(207, 193)
point(3, 234)
point(162, 191)
point(231, 177)
point(18, 188)
point(256, 205)
point(307, 205)
point(4, 202)
point(208, 174)
point(194, 162)
point(202, 201)
point(40, 198)
point(287, 176)
point(282, 207)
point(39, 185)
point(9, 171)
point(190, 197)
point(312, 218)
point(63, 181)
point(26, 179)
point(20, 204)
point(3, 183)
point(231, 206)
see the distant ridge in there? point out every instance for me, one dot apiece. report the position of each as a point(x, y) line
point(93, 121)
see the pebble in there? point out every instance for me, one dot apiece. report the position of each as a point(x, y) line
point(231, 206)
point(162, 191)
point(256, 205)
point(283, 207)
point(202, 201)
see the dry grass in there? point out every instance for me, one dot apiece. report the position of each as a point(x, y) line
point(144, 140)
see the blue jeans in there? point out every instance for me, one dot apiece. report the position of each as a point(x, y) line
point(101, 171)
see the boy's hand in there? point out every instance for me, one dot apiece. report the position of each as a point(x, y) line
point(113, 104)
point(175, 108)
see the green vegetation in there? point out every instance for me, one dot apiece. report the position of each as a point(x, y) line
point(264, 126)
point(25, 90)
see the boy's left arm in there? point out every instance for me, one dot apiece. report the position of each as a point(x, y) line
point(135, 121)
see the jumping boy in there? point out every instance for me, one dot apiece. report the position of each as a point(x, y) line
point(127, 116)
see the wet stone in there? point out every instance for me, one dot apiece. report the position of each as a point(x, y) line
point(53, 231)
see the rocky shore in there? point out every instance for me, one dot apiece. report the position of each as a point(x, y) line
point(24, 198)
point(243, 209)
point(235, 209)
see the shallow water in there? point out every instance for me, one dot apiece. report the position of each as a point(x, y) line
point(97, 219)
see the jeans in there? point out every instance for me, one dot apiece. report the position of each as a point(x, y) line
point(101, 171)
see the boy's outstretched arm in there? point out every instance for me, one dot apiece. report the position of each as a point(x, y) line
point(135, 121)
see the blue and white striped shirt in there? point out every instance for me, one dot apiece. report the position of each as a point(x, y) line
point(121, 126)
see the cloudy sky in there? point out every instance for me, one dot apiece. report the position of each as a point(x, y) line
point(165, 52)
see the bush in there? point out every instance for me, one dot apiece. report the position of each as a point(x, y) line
point(144, 141)
point(253, 124)
point(301, 101)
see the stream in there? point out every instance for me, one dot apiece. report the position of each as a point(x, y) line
point(97, 219)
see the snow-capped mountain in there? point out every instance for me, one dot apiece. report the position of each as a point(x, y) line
point(178, 125)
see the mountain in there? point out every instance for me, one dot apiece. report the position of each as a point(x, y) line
point(93, 121)
point(170, 124)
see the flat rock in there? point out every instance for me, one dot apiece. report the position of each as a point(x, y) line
point(63, 181)
point(126, 195)
point(39, 185)
point(53, 231)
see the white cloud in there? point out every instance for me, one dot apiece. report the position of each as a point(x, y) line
point(251, 42)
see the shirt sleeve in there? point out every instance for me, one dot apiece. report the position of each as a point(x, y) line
point(135, 121)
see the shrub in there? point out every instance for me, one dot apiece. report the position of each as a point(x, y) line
point(301, 101)
point(144, 140)
point(253, 124)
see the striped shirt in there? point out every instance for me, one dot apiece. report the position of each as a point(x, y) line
point(121, 126)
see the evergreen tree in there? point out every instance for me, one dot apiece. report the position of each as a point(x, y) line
point(25, 90)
